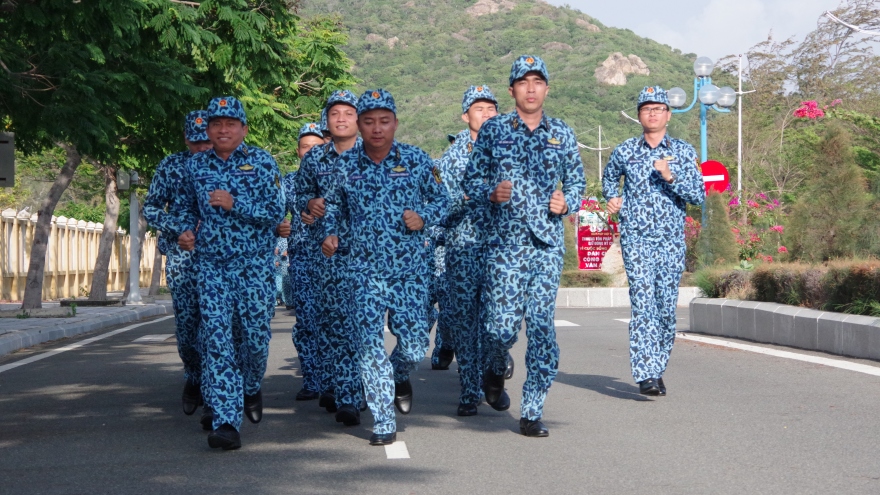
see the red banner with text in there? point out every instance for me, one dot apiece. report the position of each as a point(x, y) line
point(595, 234)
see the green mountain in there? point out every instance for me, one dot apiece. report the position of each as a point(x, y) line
point(428, 52)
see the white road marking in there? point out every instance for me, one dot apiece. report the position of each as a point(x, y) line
point(7, 367)
point(625, 320)
point(397, 450)
point(836, 363)
point(154, 338)
point(564, 323)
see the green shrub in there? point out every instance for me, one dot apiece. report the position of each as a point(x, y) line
point(846, 286)
point(585, 278)
point(717, 245)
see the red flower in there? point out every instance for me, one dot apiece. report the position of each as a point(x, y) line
point(782, 249)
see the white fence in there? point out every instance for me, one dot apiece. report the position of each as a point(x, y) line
point(70, 256)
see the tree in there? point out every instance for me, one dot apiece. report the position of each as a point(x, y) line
point(829, 219)
point(717, 245)
point(112, 80)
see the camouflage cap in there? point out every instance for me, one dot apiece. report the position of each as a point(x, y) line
point(312, 128)
point(475, 93)
point(653, 94)
point(227, 106)
point(325, 127)
point(525, 64)
point(342, 96)
point(195, 126)
point(375, 99)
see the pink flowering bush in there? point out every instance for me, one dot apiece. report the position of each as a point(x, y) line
point(760, 238)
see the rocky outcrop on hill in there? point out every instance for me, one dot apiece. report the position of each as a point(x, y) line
point(616, 67)
point(555, 45)
point(483, 7)
point(586, 25)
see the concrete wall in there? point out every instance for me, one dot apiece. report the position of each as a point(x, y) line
point(770, 323)
point(606, 297)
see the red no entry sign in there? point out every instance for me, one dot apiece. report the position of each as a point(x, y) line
point(715, 176)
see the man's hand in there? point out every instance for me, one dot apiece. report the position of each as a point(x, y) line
point(557, 203)
point(306, 218)
point(502, 192)
point(222, 199)
point(329, 246)
point(662, 166)
point(614, 205)
point(316, 207)
point(412, 220)
point(283, 229)
point(187, 241)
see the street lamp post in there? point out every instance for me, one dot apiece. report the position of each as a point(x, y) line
point(709, 95)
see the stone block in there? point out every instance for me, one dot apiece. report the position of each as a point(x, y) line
point(806, 329)
point(829, 332)
point(783, 324)
point(579, 298)
point(746, 319)
point(620, 297)
point(562, 298)
point(729, 326)
point(697, 317)
point(601, 298)
point(764, 321)
point(855, 331)
point(712, 323)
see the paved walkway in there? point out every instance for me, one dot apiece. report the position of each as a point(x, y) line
point(17, 333)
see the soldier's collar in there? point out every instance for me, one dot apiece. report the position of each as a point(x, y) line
point(666, 141)
point(393, 153)
point(519, 123)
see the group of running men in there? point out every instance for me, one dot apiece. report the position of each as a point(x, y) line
point(367, 213)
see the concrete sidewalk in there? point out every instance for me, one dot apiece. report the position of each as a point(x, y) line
point(18, 333)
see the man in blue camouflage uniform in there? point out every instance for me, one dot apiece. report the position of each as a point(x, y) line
point(435, 245)
point(517, 162)
point(387, 193)
point(661, 174)
point(302, 256)
point(280, 267)
point(232, 204)
point(180, 267)
point(344, 389)
point(464, 254)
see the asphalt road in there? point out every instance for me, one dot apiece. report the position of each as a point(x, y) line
point(106, 418)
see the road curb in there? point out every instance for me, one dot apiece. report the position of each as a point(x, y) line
point(15, 340)
point(770, 323)
point(610, 297)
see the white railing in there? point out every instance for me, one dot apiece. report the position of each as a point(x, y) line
point(70, 256)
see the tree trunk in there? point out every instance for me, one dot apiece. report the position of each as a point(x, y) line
point(157, 269)
point(108, 237)
point(142, 234)
point(33, 291)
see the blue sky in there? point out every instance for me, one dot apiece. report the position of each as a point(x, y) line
point(713, 28)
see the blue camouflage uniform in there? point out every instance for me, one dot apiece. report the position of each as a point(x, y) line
point(464, 256)
point(235, 251)
point(180, 265)
point(387, 260)
point(652, 236)
point(280, 266)
point(524, 240)
point(310, 348)
point(435, 250)
point(317, 176)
